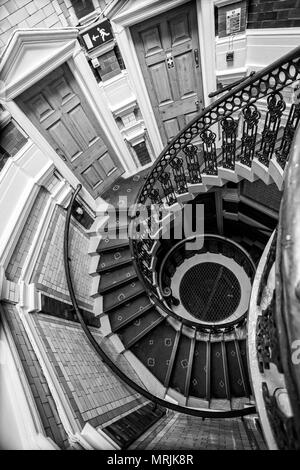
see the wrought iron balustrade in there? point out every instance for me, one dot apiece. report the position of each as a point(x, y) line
point(251, 121)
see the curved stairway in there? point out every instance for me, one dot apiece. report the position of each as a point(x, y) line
point(196, 368)
point(183, 363)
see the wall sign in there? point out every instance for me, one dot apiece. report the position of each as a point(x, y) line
point(98, 35)
point(233, 21)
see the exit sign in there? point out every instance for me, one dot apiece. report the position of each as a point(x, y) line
point(98, 35)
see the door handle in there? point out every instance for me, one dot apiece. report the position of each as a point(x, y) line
point(62, 156)
point(198, 103)
point(196, 57)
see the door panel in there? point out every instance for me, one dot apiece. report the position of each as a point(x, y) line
point(166, 46)
point(59, 110)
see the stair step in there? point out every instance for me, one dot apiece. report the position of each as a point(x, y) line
point(133, 332)
point(129, 312)
point(113, 259)
point(154, 349)
point(198, 375)
point(218, 374)
point(181, 363)
point(235, 374)
point(121, 295)
point(108, 244)
point(111, 279)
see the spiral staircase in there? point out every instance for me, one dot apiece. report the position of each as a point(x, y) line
point(188, 364)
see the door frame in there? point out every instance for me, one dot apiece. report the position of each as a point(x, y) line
point(32, 55)
point(135, 12)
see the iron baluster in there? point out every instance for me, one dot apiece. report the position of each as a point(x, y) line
point(251, 117)
point(168, 189)
point(209, 152)
point(179, 176)
point(229, 127)
point(193, 164)
point(276, 106)
point(283, 152)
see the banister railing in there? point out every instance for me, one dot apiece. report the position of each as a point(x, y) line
point(203, 413)
point(287, 309)
point(249, 130)
point(271, 79)
point(274, 320)
point(222, 244)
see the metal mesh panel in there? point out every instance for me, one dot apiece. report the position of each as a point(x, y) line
point(210, 292)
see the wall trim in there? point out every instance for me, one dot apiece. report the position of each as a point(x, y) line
point(30, 425)
point(31, 54)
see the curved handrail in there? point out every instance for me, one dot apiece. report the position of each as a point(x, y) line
point(162, 307)
point(181, 158)
point(254, 88)
point(287, 312)
point(224, 326)
point(203, 413)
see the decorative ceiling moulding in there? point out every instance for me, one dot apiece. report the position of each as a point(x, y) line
point(31, 55)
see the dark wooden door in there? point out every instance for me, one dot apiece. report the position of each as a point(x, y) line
point(168, 51)
point(59, 110)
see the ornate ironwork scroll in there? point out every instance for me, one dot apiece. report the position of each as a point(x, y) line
point(283, 152)
point(168, 189)
point(193, 164)
point(267, 341)
point(229, 126)
point(251, 117)
point(209, 152)
point(276, 106)
point(179, 176)
point(283, 426)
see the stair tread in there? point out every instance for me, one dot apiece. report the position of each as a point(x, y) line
point(120, 295)
point(154, 349)
point(217, 376)
point(128, 311)
point(113, 259)
point(140, 325)
point(108, 243)
point(111, 279)
point(180, 366)
point(198, 375)
point(234, 373)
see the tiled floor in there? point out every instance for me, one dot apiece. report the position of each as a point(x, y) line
point(181, 432)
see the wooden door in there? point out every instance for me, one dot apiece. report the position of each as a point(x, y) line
point(168, 51)
point(59, 110)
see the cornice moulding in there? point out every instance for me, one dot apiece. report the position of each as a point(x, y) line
point(31, 55)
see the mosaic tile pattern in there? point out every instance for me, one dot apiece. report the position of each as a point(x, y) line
point(36, 379)
point(95, 393)
point(49, 269)
point(14, 268)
